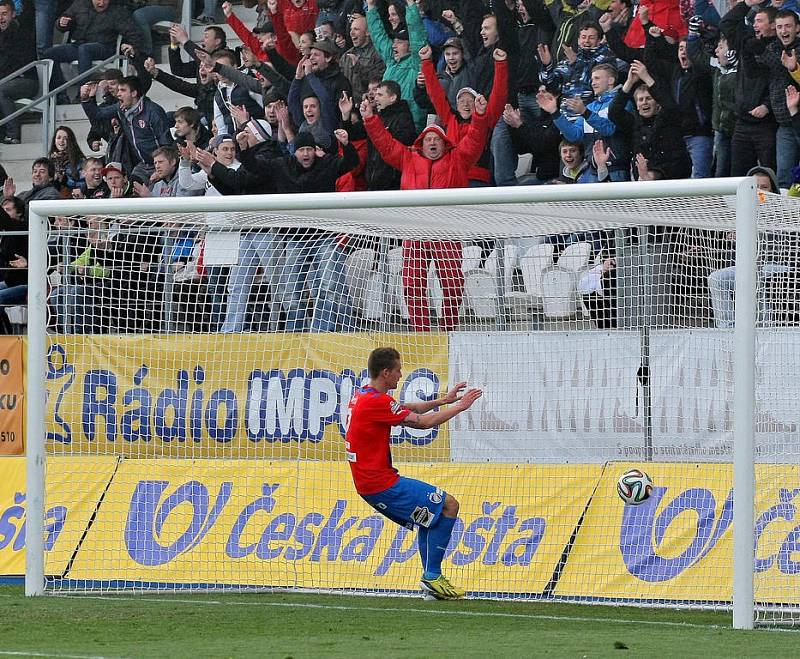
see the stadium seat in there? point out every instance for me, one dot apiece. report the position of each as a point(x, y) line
point(358, 269)
point(559, 282)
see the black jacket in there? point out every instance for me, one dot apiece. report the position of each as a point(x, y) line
point(90, 26)
point(10, 247)
point(400, 123)
point(752, 81)
point(286, 175)
point(658, 138)
point(16, 50)
point(540, 138)
point(335, 83)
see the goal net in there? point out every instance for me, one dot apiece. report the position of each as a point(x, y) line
point(199, 355)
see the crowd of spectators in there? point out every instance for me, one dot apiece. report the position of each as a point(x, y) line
point(336, 95)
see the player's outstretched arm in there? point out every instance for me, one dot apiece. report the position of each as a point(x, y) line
point(433, 419)
point(427, 405)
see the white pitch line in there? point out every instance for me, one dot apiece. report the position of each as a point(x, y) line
point(376, 609)
point(11, 653)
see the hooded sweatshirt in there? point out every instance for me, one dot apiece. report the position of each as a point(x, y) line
point(420, 173)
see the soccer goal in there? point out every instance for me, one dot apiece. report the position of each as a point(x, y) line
point(190, 362)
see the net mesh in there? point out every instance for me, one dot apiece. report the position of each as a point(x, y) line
point(200, 367)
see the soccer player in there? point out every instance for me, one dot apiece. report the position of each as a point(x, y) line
point(405, 501)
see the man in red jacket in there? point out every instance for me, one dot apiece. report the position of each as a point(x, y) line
point(456, 122)
point(434, 161)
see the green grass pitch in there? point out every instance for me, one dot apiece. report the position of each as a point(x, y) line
point(299, 626)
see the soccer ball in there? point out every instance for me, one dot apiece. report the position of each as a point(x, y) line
point(634, 487)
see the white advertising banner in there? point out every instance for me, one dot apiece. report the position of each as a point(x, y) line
point(580, 396)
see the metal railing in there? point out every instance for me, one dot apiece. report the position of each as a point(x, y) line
point(49, 123)
point(45, 67)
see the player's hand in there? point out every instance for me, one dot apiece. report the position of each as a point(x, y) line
point(455, 393)
point(469, 397)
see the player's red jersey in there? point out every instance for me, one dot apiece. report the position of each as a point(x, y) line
point(372, 415)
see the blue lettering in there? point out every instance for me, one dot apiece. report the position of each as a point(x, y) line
point(265, 502)
point(321, 402)
point(474, 540)
point(508, 520)
point(360, 547)
point(135, 423)
point(639, 526)
point(196, 410)
point(58, 367)
point(95, 383)
point(528, 544)
point(396, 553)
point(279, 529)
point(330, 536)
point(8, 530)
point(305, 536)
point(146, 519)
point(172, 402)
point(226, 398)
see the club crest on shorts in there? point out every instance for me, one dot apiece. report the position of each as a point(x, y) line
point(422, 516)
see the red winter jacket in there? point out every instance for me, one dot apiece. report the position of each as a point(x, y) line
point(456, 127)
point(298, 19)
point(419, 173)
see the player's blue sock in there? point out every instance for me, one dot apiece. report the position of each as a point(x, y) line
point(437, 541)
point(422, 544)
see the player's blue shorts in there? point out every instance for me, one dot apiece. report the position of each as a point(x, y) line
point(409, 502)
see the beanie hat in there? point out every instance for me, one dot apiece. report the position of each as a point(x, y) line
point(260, 129)
point(304, 138)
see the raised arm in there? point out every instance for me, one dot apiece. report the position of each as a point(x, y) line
point(433, 419)
point(436, 94)
point(392, 151)
point(377, 31)
point(471, 146)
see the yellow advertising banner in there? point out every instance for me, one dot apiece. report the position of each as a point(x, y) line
point(11, 396)
point(74, 488)
point(269, 396)
point(278, 523)
point(678, 546)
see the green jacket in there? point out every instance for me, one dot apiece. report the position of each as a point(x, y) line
point(404, 72)
point(93, 269)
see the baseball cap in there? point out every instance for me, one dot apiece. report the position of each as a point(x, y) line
point(454, 42)
point(113, 167)
point(401, 34)
point(467, 90)
point(221, 138)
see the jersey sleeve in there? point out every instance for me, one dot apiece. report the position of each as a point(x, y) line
point(387, 411)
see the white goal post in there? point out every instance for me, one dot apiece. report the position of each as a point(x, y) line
point(507, 210)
